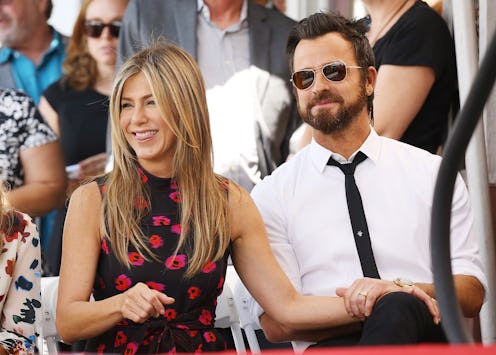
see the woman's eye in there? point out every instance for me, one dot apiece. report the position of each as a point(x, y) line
point(125, 105)
point(150, 102)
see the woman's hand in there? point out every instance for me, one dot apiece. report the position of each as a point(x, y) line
point(361, 297)
point(141, 302)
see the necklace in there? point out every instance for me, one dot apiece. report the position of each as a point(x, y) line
point(376, 37)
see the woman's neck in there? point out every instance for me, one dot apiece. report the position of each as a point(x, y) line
point(384, 14)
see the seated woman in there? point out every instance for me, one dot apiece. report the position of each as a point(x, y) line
point(19, 281)
point(151, 238)
point(31, 162)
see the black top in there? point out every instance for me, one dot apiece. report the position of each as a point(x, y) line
point(422, 38)
point(188, 323)
point(83, 117)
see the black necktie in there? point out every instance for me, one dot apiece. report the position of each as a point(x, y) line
point(357, 216)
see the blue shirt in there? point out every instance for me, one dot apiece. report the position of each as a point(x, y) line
point(33, 79)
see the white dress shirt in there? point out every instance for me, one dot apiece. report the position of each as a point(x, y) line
point(303, 204)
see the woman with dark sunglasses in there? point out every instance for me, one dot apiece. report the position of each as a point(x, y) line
point(76, 107)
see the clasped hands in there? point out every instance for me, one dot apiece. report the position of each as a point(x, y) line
point(361, 297)
point(140, 303)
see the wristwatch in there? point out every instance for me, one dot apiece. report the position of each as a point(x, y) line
point(403, 282)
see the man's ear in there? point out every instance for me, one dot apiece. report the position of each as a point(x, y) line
point(371, 79)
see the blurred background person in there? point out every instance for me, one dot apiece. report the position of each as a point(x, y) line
point(415, 59)
point(31, 163)
point(273, 4)
point(19, 281)
point(76, 106)
point(31, 57)
point(239, 46)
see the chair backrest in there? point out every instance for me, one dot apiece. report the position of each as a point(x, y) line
point(48, 330)
point(241, 302)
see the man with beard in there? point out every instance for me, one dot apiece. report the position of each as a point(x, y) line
point(375, 254)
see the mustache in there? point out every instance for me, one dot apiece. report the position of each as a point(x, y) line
point(325, 96)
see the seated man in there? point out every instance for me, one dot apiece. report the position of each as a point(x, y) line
point(349, 215)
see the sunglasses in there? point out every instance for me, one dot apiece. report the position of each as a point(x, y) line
point(334, 72)
point(94, 29)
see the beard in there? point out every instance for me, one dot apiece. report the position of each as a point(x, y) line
point(328, 122)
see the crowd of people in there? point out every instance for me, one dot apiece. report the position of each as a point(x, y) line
point(193, 105)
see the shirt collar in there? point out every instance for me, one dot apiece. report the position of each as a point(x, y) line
point(205, 12)
point(320, 155)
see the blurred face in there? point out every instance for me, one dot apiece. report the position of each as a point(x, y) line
point(19, 20)
point(102, 43)
point(330, 106)
point(144, 127)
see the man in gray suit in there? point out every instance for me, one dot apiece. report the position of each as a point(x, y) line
point(240, 49)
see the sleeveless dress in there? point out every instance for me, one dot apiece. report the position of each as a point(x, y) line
point(188, 323)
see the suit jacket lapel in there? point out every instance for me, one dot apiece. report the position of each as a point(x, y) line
point(186, 21)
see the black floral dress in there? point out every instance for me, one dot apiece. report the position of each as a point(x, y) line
point(188, 323)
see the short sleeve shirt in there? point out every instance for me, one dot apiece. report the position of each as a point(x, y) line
point(21, 128)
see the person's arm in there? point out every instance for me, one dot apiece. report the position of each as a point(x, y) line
point(44, 180)
point(22, 308)
point(50, 115)
point(77, 317)
point(399, 94)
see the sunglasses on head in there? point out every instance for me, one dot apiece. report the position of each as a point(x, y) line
point(94, 29)
point(334, 72)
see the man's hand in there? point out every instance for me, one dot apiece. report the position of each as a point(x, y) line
point(361, 297)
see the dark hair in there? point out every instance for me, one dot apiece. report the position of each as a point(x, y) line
point(48, 10)
point(352, 30)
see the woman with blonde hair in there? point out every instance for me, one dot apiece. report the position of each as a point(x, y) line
point(151, 238)
point(76, 106)
point(19, 280)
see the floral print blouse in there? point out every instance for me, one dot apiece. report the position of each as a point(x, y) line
point(21, 127)
point(20, 297)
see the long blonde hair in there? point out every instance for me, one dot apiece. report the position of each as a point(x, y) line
point(178, 89)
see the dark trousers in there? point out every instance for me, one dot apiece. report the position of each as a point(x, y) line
point(397, 318)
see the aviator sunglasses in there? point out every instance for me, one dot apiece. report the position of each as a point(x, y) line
point(94, 28)
point(334, 72)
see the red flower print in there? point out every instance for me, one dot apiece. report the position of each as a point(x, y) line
point(170, 314)
point(206, 317)
point(122, 282)
point(176, 228)
point(101, 282)
point(136, 259)
point(175, 262)
point(104, 246)
point(209, 337)
point(173, 184)
point(161, 221)
point(18, 228)
point(120, 339)
point(193, 292)
point(131, 349)
point(221, 283)
point(156, 286)
point(156, 241)
point(199, 349)
point(175, 196)
point(148, 340)
point(9, 268)
point(209, 267)
point(122, 322)
point(140, 203)
point(100, 349)
point(142, 175)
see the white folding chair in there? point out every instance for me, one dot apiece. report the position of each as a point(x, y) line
point(241, 297)
point(48, 331)
point(227, 317)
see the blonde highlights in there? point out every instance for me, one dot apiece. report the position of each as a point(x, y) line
point(178, 89)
